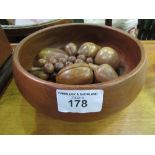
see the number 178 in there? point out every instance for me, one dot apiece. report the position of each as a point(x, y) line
point(77, 103)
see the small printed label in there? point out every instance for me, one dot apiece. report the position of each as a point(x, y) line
point(79, 101)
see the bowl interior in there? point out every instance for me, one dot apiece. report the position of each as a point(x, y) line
point(58, 36)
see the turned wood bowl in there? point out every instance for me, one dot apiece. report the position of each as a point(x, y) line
point(118, 93)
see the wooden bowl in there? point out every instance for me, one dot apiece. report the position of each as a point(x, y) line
point(117, 93)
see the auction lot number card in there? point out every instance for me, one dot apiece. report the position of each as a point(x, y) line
point(79, 101)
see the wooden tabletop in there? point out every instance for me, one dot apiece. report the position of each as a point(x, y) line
point(17, 116)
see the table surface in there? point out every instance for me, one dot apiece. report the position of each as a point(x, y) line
point(17, 116)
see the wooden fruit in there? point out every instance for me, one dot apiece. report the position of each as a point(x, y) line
point(71, 49)
point(40, 74)
point(88, 49)
point(76, 74)
point(47, 53)
point(107, 55)
point(41, 62)
point(105, 73)
point(49, 68)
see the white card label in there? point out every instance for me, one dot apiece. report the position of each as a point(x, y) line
point(79, 101)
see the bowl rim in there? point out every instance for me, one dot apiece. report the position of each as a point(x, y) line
point(95, 85)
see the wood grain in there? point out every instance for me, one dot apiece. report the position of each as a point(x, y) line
point(18, 117)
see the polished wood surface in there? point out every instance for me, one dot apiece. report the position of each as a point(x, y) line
point(42, 94)
point(18, 117)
